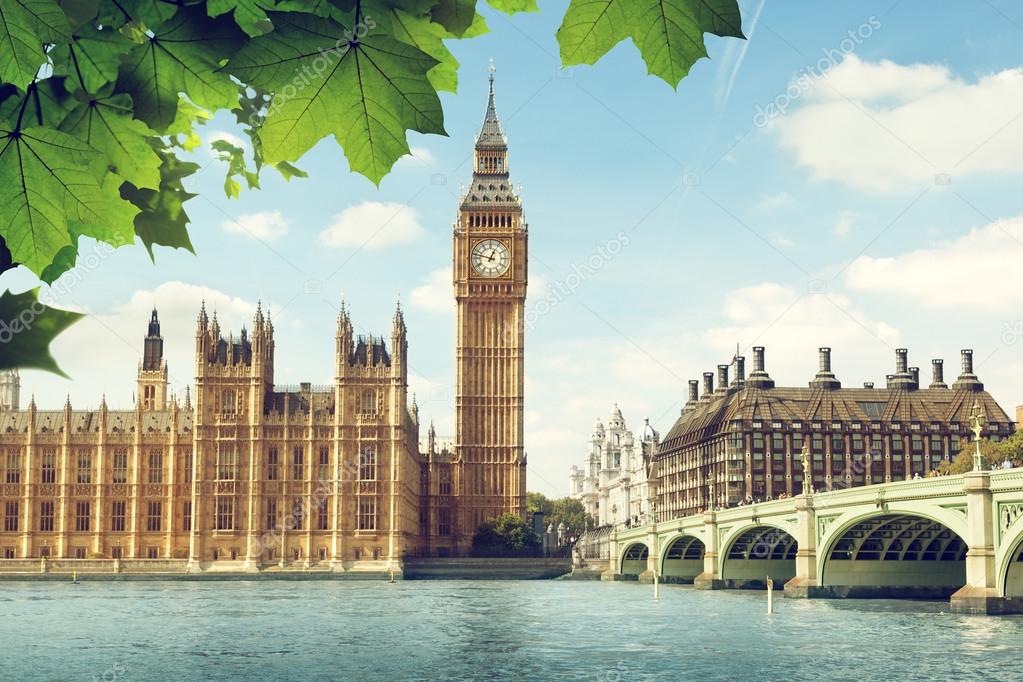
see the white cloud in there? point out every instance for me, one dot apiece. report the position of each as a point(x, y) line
point(423, 154)
point(436, 294)
point(114, 344)
point(792, 325)
point(417, 157)
point(978, 270)
point(265, 225)
point(215, 135)
point(844, 223)
point(783, 241)
point(885, 127)
point(373, 225)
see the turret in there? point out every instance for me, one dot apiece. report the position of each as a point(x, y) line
point(722, 388)
point(694, 395)
point(10, 390)
point(491, 153)
point(399, 343)
point(902, 378)
point(152, 376)
point(344, 341)
point(759, 378)
point(708, 387)
point(967, 379)
point(825, 377)
point(740, 372)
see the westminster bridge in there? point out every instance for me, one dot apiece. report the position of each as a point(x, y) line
point(940, 537)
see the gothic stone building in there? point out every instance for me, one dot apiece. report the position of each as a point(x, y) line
point(612, 485)
point(251, 472)
point(743, 440)
point(256, 474)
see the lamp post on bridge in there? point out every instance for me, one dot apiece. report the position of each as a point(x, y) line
point(977, 424)
point(807, 473)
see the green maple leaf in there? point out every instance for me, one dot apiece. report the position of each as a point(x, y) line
point(105, 122)
point(234, 157)
point(514, 6)
point(428, 36)
point(91, 57)
point(454, 15)
point(45, 102)
point(668, 33)
point(250, 15)
point(27, 326)
point(51, 183)
point(79, 12)
point(142, 14)
point(366, 91)
point(162, 219)
point(183, 55)
point(25, 26)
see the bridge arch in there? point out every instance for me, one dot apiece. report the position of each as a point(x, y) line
point(754, 552)
point(889, 553)
point(1009, 560)
point(682, 558)
point(634, 559)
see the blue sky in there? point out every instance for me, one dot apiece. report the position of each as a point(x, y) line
point(880, 210)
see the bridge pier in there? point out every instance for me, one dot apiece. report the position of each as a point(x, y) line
point(710, 579)
point(805, 582)
point(653, 556)
point(612, 558)
point(980, 594)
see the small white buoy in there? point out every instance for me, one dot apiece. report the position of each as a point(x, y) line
point(770, 595)
point(657, 587)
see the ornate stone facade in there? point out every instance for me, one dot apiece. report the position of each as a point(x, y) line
point(612, 485)
point(252, 473)
point(245, 474)
point(490, 276)
point(10, 389)
point(742, 441)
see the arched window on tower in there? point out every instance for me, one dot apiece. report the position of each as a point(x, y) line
point(368, 403)
point(228, 403)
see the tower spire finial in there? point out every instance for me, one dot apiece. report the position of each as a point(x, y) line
point(491, 134)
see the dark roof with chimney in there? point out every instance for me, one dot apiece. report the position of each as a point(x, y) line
point(825, 402)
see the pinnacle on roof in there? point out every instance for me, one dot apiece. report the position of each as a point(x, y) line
point(491, 134)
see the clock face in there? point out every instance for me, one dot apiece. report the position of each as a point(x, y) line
point(490, 258)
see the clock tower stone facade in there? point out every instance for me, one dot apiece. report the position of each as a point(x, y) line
point(490, 276)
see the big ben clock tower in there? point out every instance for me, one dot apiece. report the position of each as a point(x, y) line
point(489, 272)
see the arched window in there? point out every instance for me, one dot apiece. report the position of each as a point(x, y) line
point(228, 402)
point(368, 403)
point(368, 463)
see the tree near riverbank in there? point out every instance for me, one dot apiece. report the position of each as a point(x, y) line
point(507, 535)
point(561, 510)
point(993, 455)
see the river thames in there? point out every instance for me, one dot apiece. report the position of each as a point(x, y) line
point(341, 630)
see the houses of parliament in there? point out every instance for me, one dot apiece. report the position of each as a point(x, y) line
point(246, 474)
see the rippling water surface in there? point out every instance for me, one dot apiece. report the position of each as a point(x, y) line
point(483, 630)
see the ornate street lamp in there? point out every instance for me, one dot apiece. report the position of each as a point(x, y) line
point(807, 473)
point(977, 424)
